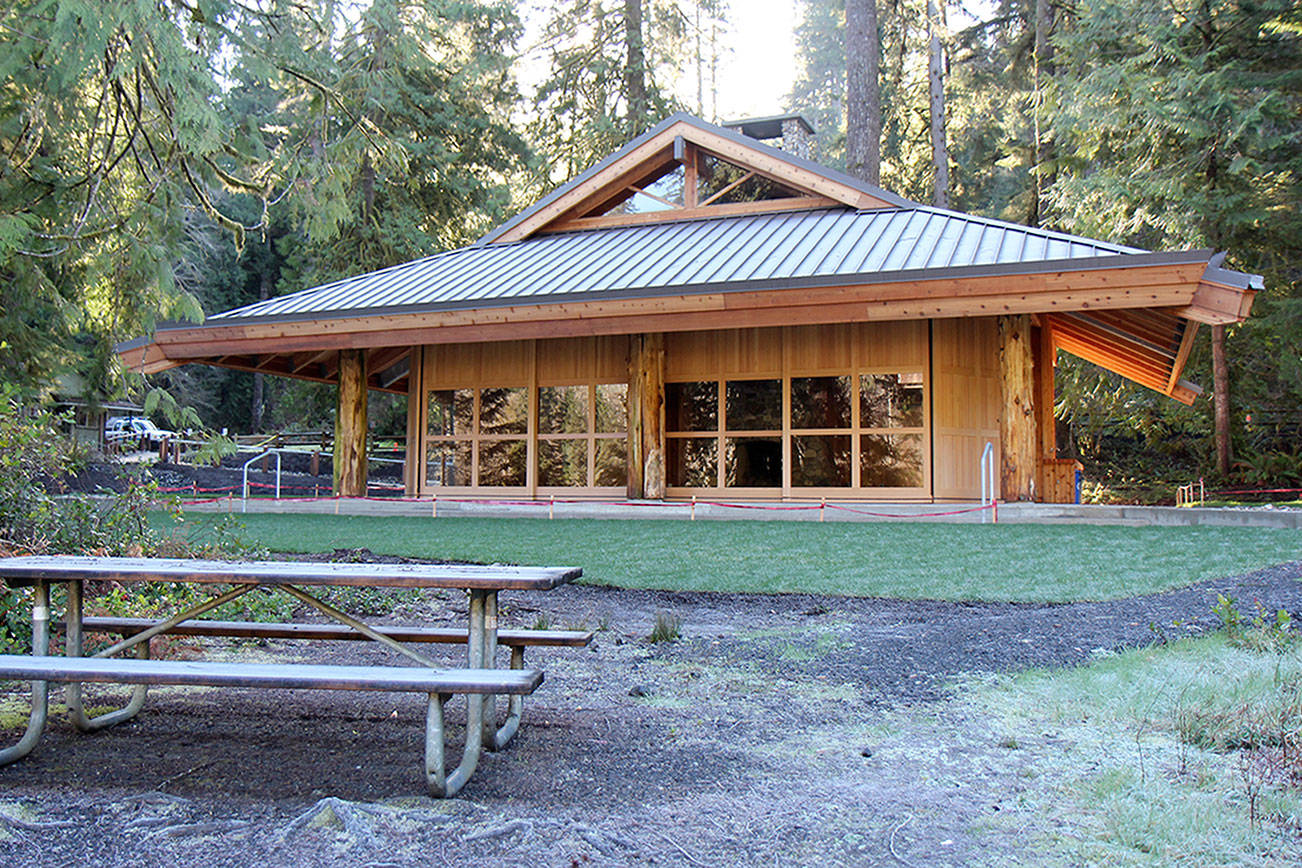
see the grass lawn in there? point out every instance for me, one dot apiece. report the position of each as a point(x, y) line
point(1166, 755)
point(939, 561)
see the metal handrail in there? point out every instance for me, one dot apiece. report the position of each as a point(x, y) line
point(244, 504)
point(987, 476)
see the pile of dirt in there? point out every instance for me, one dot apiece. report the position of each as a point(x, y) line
point(754, 738)
point(296, 480)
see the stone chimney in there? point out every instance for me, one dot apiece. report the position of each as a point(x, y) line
point(794, 132)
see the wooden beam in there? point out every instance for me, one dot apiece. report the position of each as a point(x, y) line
point(1182, 355)
point(662, 145)
point(1044, 359)
point(646, 416)
point(1017, 436)
point(1160, 287)
point(700, 212)
point(411, 468)
point(1216, 304)
point(350, 426)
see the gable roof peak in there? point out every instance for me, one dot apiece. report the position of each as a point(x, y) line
point(730, 145)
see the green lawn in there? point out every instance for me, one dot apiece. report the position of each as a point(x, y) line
point(941, 561)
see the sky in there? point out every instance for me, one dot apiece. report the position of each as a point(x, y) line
point(756, 74)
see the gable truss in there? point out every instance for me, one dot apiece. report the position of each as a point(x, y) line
point(583, 204)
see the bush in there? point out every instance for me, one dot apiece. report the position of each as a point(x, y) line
point(36, 517)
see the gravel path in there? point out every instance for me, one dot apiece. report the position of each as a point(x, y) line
point(746, 742)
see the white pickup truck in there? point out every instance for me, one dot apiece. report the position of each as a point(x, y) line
point(131, 430)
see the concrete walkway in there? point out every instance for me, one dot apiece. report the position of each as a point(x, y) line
point(1021, 513)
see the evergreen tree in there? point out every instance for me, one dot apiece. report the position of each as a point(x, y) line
point(1180, 125)
point(613, 69)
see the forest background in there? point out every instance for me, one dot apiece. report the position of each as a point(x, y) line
point(164, 158)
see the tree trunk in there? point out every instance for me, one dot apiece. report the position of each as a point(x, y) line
point(1043, 72)
point(1017, 436)
point(635, 69)
point(350, 426)
point(1221, 401)
point(863, 101)
point(936, 77)
point(259, 408)
point(646, 414)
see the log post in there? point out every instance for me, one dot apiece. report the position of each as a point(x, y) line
point(1045, 357)
point(1017, 435)
point(646, 416)
point(413, 459)
point(350, 426)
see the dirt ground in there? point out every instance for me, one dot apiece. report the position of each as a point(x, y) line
point(770, 733)
point(227, 477)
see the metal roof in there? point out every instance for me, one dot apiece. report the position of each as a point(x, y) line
point(782, 250)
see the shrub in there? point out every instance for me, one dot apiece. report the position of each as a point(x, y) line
point(37, 517)
point(667, 628)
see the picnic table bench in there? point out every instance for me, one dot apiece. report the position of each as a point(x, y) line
point(480, 681)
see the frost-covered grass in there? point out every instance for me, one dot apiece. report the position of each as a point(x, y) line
point(1117, 777)
point(896, 559)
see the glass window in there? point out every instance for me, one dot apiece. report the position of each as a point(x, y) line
point(753, 405)
point(563, 463)
point(665, 192)
point(692, 406)
point(820, 402)
point(451, 412)
point(504, 411)
point(502, 462)
point(612, 462)
point(448, 463)
point(890, 460)
point(890, 400)
point(612, 408)
point(753, 462)
point(820, 461)
point(716, 176)
point(562, 409)
point(693, 462)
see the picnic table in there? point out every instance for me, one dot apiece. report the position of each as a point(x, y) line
point(480, 680)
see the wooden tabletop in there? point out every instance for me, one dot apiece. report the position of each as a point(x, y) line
point(21, 572)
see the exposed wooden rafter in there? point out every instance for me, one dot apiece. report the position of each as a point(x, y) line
point(650, 160)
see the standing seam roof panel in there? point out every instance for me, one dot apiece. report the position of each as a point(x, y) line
point(724, 250)
point(694, 258)
point(571, 247)
point(507, 267)
point(622, 270)
point(909, 239)
point(832, 230)
point(666, 269)
point(876, 253)
point(799, 236)
point(815, 240)
point(758, 234)
point(488, 281)
point(758, 263)
point(964, 244)
point(943, 250)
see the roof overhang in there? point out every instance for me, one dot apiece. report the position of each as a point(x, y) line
point(1133, 314)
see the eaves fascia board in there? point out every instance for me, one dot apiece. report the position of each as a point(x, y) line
point(1099, 263)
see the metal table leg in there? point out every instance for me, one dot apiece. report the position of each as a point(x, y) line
point(40, 689)
point(440, 783)
point(76, 708)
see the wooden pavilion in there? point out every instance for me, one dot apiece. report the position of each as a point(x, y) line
point(703, 314)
